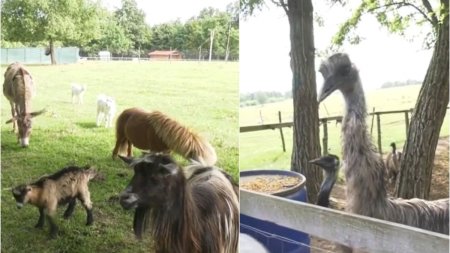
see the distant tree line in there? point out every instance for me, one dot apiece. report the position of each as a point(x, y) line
point(400, 83)
point(263, 97)
point(91, 27)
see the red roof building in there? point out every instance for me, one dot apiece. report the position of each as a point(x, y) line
point(165, 55)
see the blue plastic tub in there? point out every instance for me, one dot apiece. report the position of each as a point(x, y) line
point(277, 239)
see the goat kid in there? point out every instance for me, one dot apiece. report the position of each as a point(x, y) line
point(62, 187)
point(106, 109)
point(78, 91)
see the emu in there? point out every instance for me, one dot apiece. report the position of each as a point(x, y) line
point(393, 163)
point(194, 209)
point(106, 108)
point(330, 165)
point(62, 187)
point(19, 89)
point(78, 91)
point(364, 168)
point(157, 132)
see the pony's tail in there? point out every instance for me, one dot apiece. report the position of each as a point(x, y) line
point(121, 139)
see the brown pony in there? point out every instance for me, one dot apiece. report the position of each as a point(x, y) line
point(19, 89)
point(157, 132)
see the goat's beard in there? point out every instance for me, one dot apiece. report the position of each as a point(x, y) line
point(139, 222)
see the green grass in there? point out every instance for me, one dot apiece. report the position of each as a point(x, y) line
point(203, 96)
point(263, 149)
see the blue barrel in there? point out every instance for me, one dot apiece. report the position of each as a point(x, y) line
point(277, 239)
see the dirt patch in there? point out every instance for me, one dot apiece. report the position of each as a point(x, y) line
point(439, 189)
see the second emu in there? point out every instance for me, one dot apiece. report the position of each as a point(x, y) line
point(64, 186)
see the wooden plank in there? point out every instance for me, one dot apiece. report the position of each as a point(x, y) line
point(264, 127)
point(366, 233)
point(281, 132)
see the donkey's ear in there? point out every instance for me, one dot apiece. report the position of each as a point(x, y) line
point(170, 168)
point(127, 160)
point(34, 114)
point(11, 120)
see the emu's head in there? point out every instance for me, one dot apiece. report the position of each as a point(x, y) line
point(152, 186)
point(21, 194)
point(330, 163)
point(24, 124)
point(339, 74)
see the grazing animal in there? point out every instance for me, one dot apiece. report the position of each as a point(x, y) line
point(64, 186)
point(330, 164)
point(19, 89)
point(196, 211)
point(106, 109)
point(157, 132)
point(393, 163)
point(78, 91)
point(364, 168)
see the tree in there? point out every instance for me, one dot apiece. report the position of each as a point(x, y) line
point(414, 179)
point(306, 109)
point(132, 20)
point(67, 21)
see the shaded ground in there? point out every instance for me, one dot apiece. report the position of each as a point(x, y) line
point(439, 189)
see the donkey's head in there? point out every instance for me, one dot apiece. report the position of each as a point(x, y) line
point(24, 124)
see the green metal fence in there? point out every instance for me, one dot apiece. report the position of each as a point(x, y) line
point(37, 55)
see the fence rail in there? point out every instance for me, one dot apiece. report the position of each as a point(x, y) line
point(365, 233)
point(324, 122)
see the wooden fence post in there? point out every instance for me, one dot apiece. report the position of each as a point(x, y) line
point(407, 123)
point(371, 125)
point(325, 137)
point(281, 132)
point(379, 134)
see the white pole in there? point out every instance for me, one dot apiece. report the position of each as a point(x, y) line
point(210, 44)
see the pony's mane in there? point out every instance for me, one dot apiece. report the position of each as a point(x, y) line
point(180, 138)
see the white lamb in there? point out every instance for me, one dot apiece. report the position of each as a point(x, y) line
point(78, 91)
point(106, 108)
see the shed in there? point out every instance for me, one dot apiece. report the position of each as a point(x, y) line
point(104, 55)
point(165, 55)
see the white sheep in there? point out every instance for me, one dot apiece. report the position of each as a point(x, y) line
point(78, 91)
point(106, 108)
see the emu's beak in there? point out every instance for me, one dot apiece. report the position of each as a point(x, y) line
point(317, 161)
point(329, 86)
point(19, 205)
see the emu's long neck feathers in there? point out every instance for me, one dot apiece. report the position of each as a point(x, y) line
point(325, 189)
point(363, 167)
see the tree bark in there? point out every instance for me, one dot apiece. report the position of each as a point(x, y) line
point(306, 114)
point(428, 116)
point(52, 52)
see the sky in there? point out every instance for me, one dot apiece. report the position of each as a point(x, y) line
point(380, 57)
point(264, 43)
point(158, 12)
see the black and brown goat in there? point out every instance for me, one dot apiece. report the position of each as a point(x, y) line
point(194, 209)
point(64, 186)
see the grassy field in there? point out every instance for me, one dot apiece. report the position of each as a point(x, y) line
point(203, 96)
point(263, 149)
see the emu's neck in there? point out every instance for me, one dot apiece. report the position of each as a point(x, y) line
point(364, 169)
point(325, 189)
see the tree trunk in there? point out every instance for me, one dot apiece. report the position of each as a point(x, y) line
point(306, 114)
point(428, 116)
point(52, 52)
